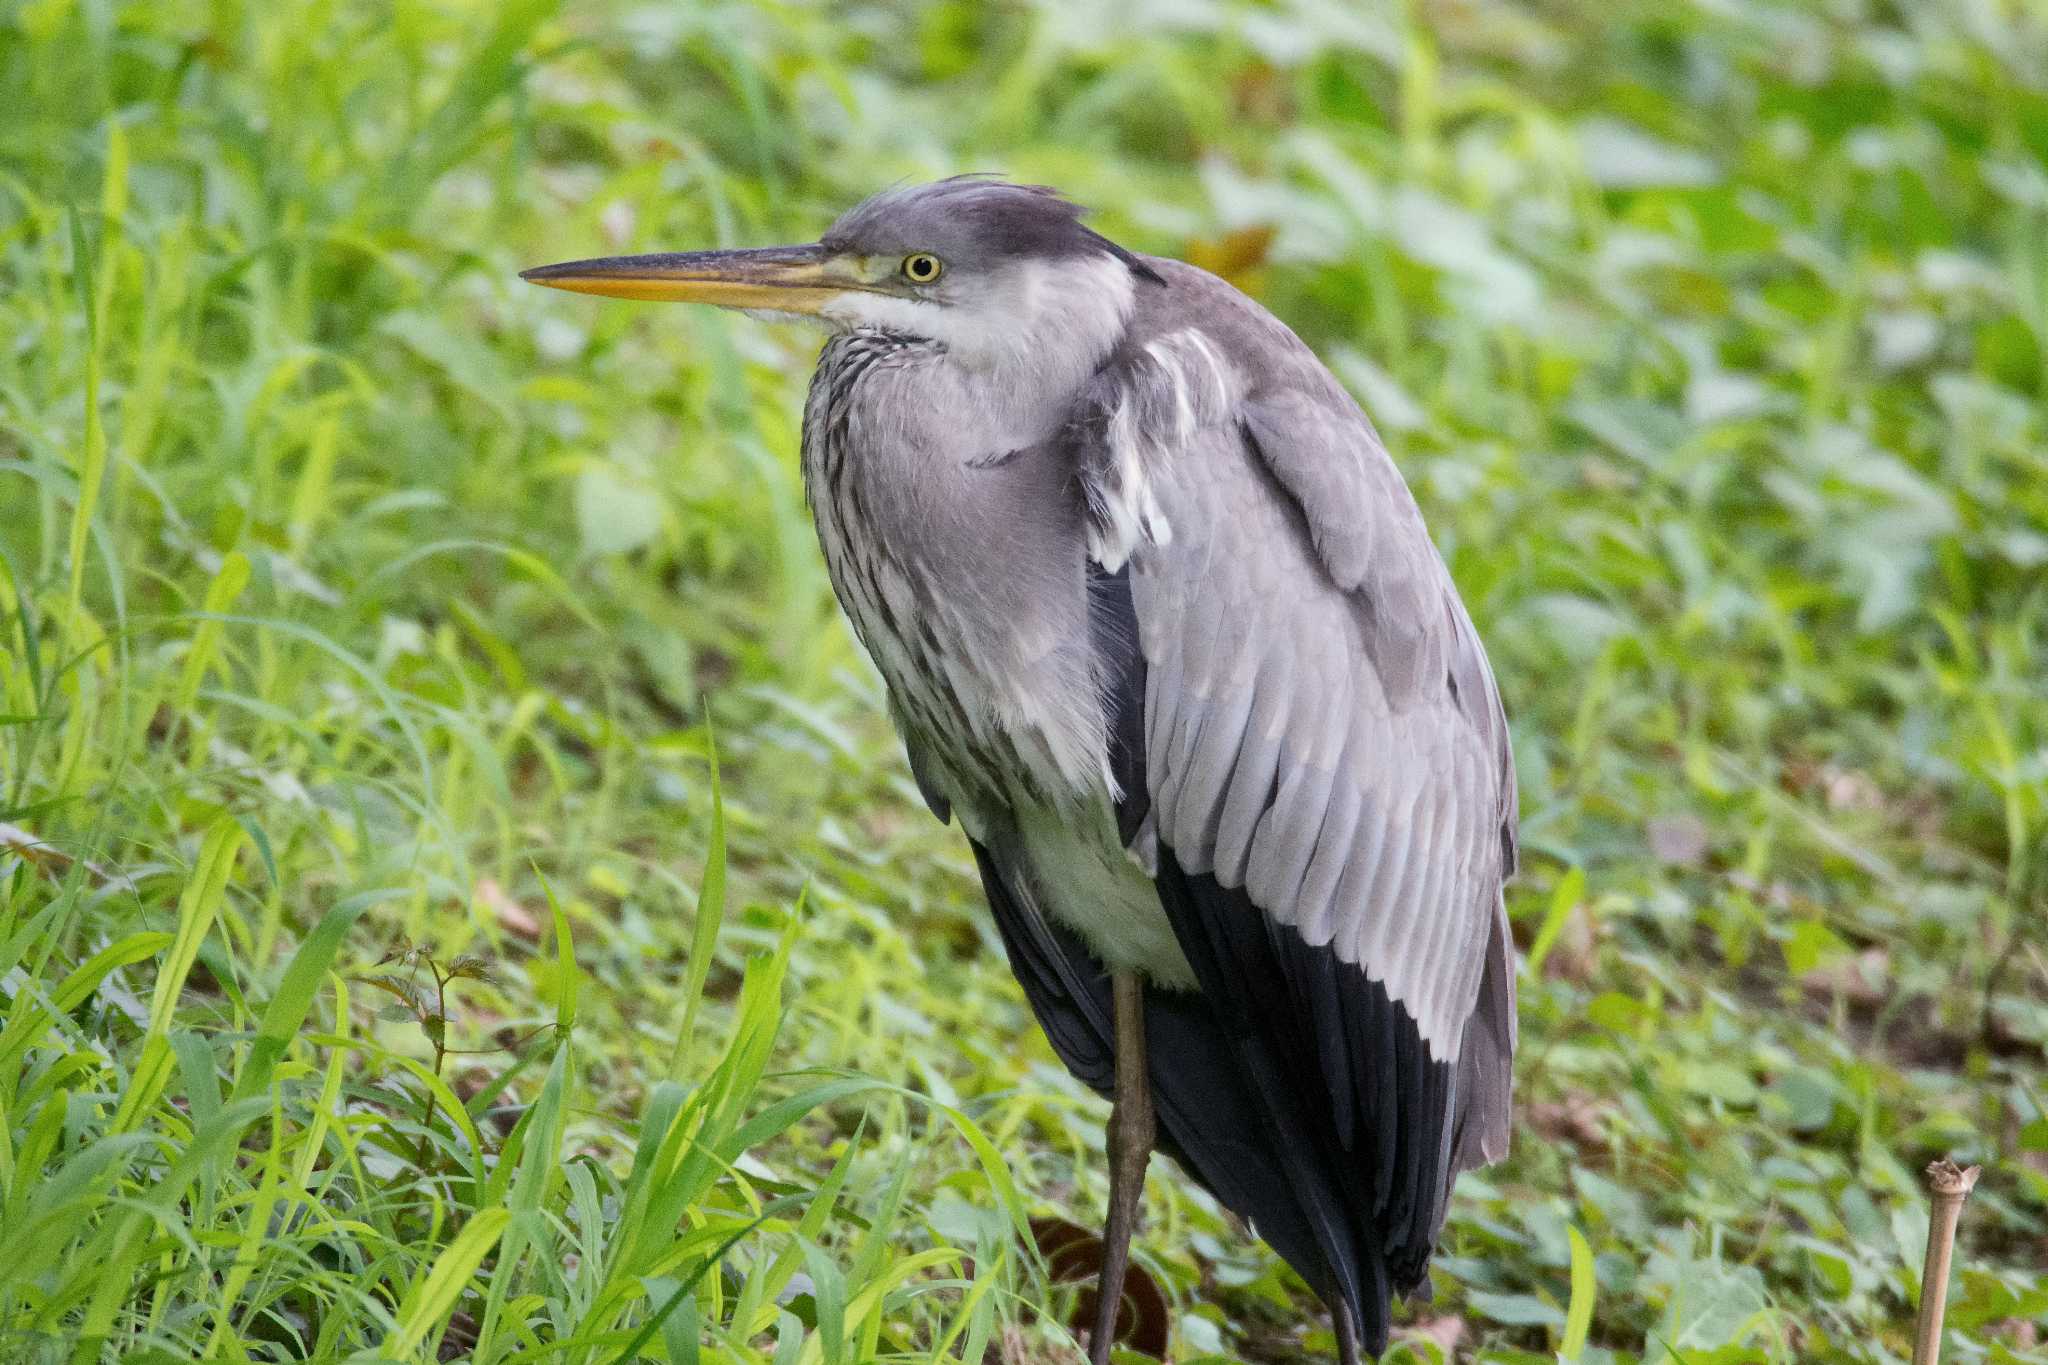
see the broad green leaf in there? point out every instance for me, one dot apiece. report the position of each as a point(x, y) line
point(1571, 889)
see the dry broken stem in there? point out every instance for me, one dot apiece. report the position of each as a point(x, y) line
point(1951, 1185)
point(52, 861)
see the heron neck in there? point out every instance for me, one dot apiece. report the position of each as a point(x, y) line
point(1059, 320)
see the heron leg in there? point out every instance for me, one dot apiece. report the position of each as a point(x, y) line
point(1131, 1133)
point(1347, 1331)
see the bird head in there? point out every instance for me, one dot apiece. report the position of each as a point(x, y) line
point(987, 268)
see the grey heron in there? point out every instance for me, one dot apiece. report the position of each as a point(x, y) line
point(1162, 628)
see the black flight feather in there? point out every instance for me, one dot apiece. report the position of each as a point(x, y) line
point(1210, 1086)
point(1354, 1102)
point(1113, 631)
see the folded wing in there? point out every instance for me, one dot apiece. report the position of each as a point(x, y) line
point(1327, 795)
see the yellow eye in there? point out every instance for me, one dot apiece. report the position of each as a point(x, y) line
point(921, 267)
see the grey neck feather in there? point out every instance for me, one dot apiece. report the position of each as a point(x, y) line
point(954, 533)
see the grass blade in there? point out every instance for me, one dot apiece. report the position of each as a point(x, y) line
point(710, 916)
point(1578, 1317)
point(294, 999)
point(427, 1308)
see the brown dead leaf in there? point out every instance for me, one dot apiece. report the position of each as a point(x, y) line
point(1577, 1119)
point(1234, 255)
point(460, 1338)
point(1072, 1255)
point(1861, 979)
point(513, 917)
point(1011, 1350)
point(15, 839)
point(1604, 475)
point(1575, 953)
point(1445, 1333)
point(469, 1082)
point(711, 668)
point(52, 861)
point(1846, 789)
point(1776, 895)
point(1263, 95)
point(1678, 840)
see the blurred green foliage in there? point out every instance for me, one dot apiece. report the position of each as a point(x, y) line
point(356, 599)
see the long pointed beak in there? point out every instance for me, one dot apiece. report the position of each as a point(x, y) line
point(783, 279)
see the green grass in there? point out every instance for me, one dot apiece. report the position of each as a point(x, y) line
point(382, 973)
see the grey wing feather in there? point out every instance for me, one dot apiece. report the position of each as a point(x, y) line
point(923, 770)
point(1322, 731)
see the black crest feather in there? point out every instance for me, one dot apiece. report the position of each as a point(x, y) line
point(1000, 217)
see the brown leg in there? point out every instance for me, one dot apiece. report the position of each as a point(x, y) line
point(1130, 1147)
